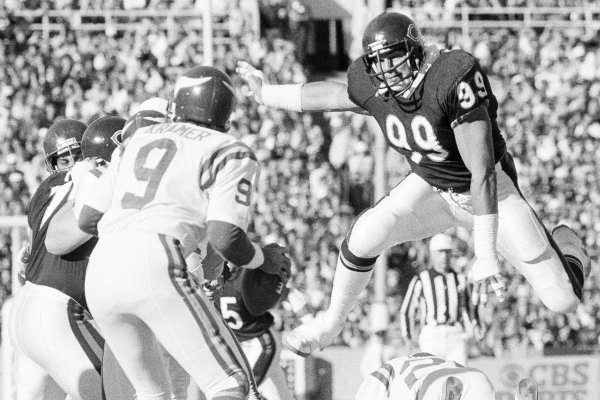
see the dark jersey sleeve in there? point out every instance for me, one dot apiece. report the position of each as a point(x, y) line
point(42, 197)
point(466, 90)
point(65, 273)
point(361, 87)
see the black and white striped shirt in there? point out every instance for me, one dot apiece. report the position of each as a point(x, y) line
point(438, 299)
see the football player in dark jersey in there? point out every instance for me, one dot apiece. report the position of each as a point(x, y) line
point(436, 108)
point(253, 327)
point(49, 325)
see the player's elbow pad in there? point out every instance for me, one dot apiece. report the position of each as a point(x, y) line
point(88, 220)
point(230, 241)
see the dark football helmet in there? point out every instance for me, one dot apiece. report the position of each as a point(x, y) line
point(97, 138)
point(205, 96)
point(152, 111)
point(389, 36)
point(139, 120)
point(64, 136)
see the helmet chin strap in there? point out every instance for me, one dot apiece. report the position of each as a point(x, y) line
point(385, 88)
point(407, 94)
point(430, 57)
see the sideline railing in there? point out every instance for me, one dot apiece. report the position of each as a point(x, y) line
point(463, 17)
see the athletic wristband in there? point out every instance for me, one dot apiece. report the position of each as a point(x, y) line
point(485, 234)
point(287, 97)
point(257, 260)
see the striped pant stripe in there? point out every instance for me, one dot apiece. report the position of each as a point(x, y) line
point(264, 361)
point(89, 339)
point(241, 356)
point(230, 340)
point(200, 311)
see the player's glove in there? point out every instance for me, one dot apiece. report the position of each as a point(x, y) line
point(276, 262)
point(212, 288)
point(486, 275)
point(23, 257)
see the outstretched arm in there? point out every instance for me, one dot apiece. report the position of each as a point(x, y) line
point(474, 141)
point(313, 96)
point(63, 234)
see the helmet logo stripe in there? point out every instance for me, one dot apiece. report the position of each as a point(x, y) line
point(66, 143)
point(378, 45)
point(186, 82)
point(228, 86)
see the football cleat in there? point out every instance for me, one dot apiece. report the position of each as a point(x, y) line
point(573, 249)
point(527, 390)
point(311, 336)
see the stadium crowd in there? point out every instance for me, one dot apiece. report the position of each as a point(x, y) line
point(317, 169)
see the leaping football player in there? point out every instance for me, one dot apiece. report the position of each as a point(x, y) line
point(436, 108)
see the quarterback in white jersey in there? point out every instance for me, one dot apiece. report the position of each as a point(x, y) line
point(174, 185)
point(423, 376)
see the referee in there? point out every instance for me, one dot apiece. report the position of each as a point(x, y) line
point(440, 299)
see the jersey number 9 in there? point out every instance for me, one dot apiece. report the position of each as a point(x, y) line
point(151, 175)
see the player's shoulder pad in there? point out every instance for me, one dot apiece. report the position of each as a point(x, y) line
point(221, 155)
point(42, 195)
point(58, 179)
point(231, 145)
point(451, 66)
point(361, 87)
point(356, 68)
point(47, 184)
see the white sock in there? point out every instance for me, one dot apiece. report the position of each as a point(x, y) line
point(347, 287)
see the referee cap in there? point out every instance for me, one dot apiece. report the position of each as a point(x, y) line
point(440, 242)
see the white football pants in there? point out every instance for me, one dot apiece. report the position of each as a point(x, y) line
point(139, 291)
point(51, 332)
point(447, 342)
point(415, 210)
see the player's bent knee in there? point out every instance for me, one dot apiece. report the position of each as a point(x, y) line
point(355, 262)
point(561, 304)
point(520, 231)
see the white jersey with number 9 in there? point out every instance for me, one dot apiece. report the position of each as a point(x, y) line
point(173, 177)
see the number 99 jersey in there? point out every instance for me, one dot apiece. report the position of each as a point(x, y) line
point(173, 177)
point(421, 127)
